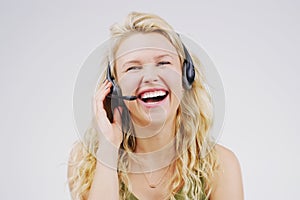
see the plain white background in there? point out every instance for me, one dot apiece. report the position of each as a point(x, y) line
point(254, 44)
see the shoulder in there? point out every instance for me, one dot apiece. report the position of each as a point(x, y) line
point(227, 184)
point(226, 156)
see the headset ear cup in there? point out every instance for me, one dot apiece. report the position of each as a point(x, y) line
point(185, 82)
point(188, 74)
point(188, 70)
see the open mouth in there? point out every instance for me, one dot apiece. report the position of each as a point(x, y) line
point(153, 96)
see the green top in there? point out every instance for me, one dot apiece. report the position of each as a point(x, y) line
point(178, 195)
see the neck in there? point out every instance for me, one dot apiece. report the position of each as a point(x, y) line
point(155, 151)
point(154, 137)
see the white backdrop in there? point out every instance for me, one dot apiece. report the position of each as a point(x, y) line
point(254, 44)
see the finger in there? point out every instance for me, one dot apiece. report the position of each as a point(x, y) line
point(98, 107)
point(103, 83)
point(98, 99)
point(103, 91)
point(101, 117)
point(103, 87)
point(101, 95)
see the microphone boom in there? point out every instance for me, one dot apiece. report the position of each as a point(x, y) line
point(128, 98)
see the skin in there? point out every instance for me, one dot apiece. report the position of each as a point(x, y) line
point(228, 184)
point(155, 64)
point(136, 71)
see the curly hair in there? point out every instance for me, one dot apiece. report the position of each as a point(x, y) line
point(193, 173)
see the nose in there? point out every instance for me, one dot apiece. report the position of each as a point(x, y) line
point(150, 74)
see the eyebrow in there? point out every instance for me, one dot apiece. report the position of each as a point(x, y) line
point(164, 55)
point(139, 62)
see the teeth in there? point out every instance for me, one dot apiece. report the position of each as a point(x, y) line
point(153, 94)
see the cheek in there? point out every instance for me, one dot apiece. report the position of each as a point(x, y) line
point(173, 79)
point(128, 84)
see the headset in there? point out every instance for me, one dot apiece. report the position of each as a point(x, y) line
point(115, 97)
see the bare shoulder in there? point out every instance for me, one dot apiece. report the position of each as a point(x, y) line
point(226, 156)
point(228, 181)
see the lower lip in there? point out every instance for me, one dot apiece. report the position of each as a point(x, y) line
point(153, 104)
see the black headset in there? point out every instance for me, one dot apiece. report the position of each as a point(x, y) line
point(188, 77)
point(188, 70)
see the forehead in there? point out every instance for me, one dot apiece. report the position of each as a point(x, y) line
point(139, 42)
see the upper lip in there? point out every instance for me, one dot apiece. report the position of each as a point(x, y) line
point(140, 92)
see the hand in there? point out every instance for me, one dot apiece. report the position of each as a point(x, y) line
point(111, 131)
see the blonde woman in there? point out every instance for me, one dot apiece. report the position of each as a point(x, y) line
point(152, 116)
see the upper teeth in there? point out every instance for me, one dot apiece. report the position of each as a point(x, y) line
point(153, 94)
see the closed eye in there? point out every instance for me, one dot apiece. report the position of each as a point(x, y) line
point(163, 63)
point(133, 68)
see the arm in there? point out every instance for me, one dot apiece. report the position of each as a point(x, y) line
point(228, 182)
point(76, 155)
point(105, 183)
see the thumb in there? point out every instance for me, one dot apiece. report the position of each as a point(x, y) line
point(118, 115)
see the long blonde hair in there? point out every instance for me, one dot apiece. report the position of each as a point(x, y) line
point(194, 119)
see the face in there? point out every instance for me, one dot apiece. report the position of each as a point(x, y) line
point(148, 66)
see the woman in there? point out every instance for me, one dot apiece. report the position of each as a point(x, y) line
point(156, 143)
